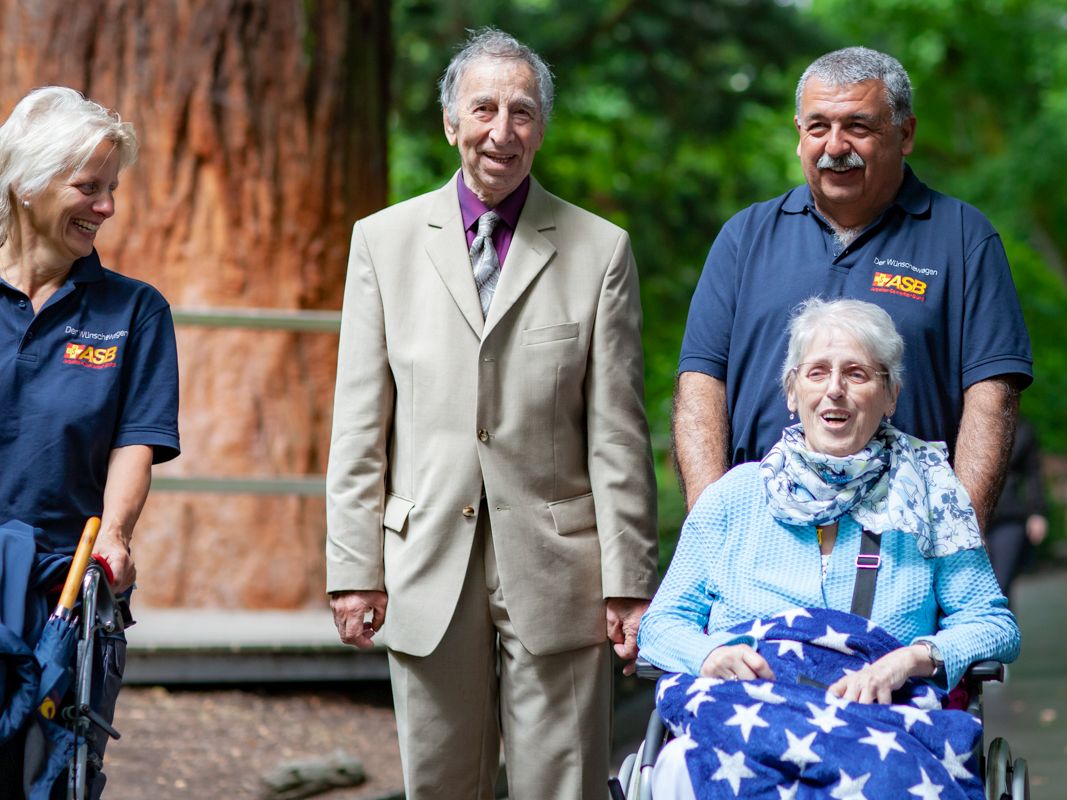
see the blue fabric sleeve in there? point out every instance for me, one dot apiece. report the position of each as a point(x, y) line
point(706, 343)
point(995, 340)
point(673, 633)
point(149, 413)
point(976, 623)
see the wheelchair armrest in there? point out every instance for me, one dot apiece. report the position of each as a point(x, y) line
point(648, 670)
point(985, 671)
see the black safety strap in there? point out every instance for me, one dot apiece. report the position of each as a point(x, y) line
point(867, 563)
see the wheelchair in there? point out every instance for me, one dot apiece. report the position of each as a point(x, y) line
point(1005, 779)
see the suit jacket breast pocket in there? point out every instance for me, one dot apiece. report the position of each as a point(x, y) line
point(550, 333)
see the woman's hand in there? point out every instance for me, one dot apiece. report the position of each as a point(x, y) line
point(112, 549)
point(736, 662)
point(876, 682)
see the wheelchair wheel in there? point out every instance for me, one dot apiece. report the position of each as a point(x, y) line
point(1020, 780)
point(998, 770)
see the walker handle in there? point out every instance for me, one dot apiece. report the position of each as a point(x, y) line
point(78, 565)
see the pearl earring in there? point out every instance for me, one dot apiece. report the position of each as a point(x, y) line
point(792, 416)
point(25, 203)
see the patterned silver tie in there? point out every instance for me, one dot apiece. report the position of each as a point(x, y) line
point(484, 261)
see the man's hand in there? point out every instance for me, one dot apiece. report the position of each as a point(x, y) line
point(111, 547)
point(350, 615)
point(736, 662)
point(876, 682)
point(623, 618)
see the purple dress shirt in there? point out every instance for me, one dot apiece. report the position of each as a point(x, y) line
point(509, 209)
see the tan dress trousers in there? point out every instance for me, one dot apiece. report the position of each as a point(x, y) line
point(480, 684)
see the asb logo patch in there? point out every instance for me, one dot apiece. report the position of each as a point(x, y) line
point(88, 356)
point(902, 285)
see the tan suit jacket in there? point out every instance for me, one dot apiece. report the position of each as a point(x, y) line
point(541, 403)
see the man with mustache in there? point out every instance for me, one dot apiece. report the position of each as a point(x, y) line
point(863, 226)
point(490, 492)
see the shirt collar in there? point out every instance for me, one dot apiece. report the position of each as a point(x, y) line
point(509, 209)
point(86, 269)
point(913, 197)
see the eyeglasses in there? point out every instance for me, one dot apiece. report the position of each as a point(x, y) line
point(818, 372)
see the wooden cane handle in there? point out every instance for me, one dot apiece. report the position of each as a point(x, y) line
point(78, 565)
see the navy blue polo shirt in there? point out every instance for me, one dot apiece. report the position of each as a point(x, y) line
point(934, 263)
point(95, 369)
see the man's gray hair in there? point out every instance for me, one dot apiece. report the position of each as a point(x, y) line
point(54, 130)
point(868, 324)
point(857, 64)
point(490, 43)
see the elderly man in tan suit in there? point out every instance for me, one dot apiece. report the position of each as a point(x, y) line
point(490, 485)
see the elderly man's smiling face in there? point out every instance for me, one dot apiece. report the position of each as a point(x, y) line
point(500, 127)
point(852, 153)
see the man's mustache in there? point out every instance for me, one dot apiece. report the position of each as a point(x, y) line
point(851, 160)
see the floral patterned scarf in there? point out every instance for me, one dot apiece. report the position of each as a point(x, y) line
point(895, 483)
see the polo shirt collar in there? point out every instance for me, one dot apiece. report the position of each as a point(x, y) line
point(798, 201)
point(509, 209)
point(913, 198)
point(86, 269)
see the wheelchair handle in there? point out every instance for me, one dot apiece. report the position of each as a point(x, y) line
point(648, 670)
point(77, 568)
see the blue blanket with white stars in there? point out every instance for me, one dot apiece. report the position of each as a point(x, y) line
point(790, 739)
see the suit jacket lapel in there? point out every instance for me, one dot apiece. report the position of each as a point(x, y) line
point(529, 253)
point(447, 249)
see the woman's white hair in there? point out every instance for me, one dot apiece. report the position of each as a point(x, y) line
point(868, 324)
point(54, 130)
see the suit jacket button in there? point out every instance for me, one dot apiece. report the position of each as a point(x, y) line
point(468, 511)
point(483, 435)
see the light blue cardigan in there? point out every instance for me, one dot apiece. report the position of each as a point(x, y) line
point(735, 563)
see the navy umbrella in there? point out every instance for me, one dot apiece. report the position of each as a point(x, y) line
point(55, 648)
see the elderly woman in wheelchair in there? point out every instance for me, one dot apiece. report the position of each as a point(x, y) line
point(821, 603)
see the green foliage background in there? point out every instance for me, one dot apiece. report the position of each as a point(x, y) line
point(672, 115)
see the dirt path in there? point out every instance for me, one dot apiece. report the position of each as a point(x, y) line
point(216, 745)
